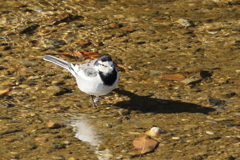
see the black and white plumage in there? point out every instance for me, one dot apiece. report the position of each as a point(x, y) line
point(96, 77)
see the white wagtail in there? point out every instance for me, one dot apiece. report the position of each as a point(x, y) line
point(97, 77)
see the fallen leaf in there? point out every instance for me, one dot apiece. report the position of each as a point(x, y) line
point(89, 55)
point(82, 43)
point(6, 91)
point(119, 67)
point(86, 54)
point(172, 77)
point(144, 144)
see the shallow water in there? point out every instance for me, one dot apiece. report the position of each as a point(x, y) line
point(150, 38)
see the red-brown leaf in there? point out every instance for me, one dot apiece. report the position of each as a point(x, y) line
point(144, 144)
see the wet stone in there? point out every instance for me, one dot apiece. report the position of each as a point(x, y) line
point(29, 63)
point(54, 90)
point(55, 125)
point(57, 145)
point(215, 102)
point(155, 73)
point(6, 105)
point(230, 95)
point(205, 74)
point(185, 22)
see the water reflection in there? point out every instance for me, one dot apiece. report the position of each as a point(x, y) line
point(87, 133)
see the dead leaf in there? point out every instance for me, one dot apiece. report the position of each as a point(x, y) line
point(86, 54)
point(172, 77)
point(89, 55)
point(6, 91)
point(82, 43)
point(144, 144)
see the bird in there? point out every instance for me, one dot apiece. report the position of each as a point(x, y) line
point(96, 78)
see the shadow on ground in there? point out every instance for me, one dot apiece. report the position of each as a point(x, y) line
point(148, 104)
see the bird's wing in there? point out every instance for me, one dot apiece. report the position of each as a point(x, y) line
point(88, 69)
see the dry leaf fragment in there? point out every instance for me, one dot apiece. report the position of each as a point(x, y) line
point(172, 77)
point(144, 144)
point(89, 55)
point(86, 54)
point(82, 43)
point(6, 91)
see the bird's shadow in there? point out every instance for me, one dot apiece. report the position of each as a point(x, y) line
point(147, 104)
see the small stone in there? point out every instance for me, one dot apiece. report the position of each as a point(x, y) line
point(54, 125)
point(209, 132)
point(236, 29)
point(58, 145)
point(29, 63)
point(211, 121)
point(59, 158)
point(223, 119)
point(230, 95)
point(155, 132)
point(205, 74)
point(185, 22)
point(188, 81)
point(215, 102)
point(118, 16)
point(66, 142)
point(123, 112)
point(155, 73)
point(220, 109)
point(190, 126)
point(35, 8)
point(54, 90)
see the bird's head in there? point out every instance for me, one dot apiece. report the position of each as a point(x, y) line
point(104, 65)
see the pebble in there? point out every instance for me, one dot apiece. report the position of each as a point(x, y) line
point(236, 29)
point(123, 112)
point(35, 8)
point(118, 16)
point(53, 90)
point(54, 125)
point(219, 109)
point(58, 145)
point(190, 81)
point(59, 158)
point(215, 102)
point(190, 126)
point(155, 73)
point(209, 132)
point(185, 22)
point(223, 119)
point(205, 74)
point(210, 121)
point(29, 63)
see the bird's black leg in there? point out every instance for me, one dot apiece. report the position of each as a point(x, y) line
point(93, 101)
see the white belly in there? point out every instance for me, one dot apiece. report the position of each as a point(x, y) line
point(94, 86)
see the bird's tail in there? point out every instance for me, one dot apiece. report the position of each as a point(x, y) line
point(59, 62)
